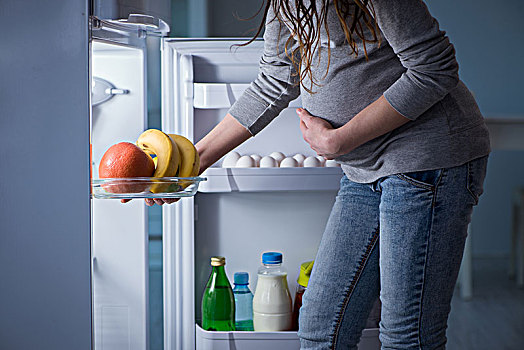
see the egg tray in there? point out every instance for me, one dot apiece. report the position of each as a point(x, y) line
point(145, 187)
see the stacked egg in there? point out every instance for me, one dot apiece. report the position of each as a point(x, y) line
point(275, 160)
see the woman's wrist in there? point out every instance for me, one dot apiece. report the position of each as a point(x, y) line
point(375, 120)
point(340, 140)
point(224, 137)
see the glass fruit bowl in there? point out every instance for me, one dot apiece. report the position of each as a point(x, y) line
point(145, 187)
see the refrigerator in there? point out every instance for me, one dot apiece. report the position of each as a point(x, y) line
point(238, 213)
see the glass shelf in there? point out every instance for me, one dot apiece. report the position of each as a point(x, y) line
point(145, 187)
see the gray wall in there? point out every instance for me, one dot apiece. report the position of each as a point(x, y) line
point(216, 18)
point(489, 39)
point(229, 18)
point(45, 300)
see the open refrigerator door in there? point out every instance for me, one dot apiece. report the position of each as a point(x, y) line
point(119, 69)
point(238, 213)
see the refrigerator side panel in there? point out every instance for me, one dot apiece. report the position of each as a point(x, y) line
point(45, 300)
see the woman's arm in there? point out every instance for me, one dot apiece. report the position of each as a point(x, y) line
point(224, 137)
point(276, 84)
point(423, 49)
point(376, 119)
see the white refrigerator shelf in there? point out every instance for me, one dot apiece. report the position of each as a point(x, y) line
point(206, 340)
point(270, 179)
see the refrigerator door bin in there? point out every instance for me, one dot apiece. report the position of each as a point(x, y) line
point(271, 179)
point(222, 95)
point(206, 340)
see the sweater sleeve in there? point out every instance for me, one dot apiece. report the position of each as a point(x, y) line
point(423, 49)
point(275, 86)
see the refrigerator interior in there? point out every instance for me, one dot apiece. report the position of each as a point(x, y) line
point(238, 213)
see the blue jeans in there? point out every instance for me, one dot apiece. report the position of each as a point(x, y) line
point(400, 238)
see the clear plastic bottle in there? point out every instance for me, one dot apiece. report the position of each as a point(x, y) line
point(243, 302)
point(272, 308)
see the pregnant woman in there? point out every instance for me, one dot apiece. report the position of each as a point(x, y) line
point(381, 95)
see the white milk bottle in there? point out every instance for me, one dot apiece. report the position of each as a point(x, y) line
point(272, 309)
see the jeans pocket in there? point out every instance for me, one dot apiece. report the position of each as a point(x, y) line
point(427, 179)
point(476, 175)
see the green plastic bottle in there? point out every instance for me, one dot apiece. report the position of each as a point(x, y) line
point(218, 303)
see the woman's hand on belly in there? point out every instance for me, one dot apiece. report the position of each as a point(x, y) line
point(375, 120)
point(320, 135)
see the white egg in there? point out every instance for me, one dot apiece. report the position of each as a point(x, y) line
point(330, 163)
point(289, 163)
point(322, 160)
point(278, 156)
point(268, 162)
point(245, 162)
point(299, 158)
point(230, 160)
point(312, 162)
point(256, 158)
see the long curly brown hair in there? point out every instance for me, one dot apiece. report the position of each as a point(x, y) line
point(306, 21)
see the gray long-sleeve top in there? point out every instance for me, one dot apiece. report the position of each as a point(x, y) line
point(415, 69)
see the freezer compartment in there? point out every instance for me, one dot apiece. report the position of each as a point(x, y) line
point(206, 340)
point(145, 187)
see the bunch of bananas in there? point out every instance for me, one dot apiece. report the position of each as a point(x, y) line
point(175, 156)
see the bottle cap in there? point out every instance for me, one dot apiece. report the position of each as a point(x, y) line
point(305, 272)
point(218, 261)
point(272, 258)
point(241, 278)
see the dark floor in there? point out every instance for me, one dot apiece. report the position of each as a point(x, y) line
point(494, 318)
